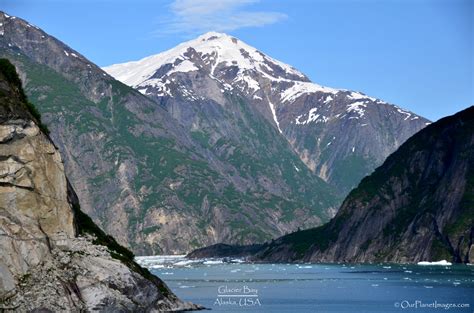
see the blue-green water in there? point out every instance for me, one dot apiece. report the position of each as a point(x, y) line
point(278, 288)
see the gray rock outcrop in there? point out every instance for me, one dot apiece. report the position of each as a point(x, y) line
point(53, 257)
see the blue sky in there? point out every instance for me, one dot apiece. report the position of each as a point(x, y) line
point(417, 54)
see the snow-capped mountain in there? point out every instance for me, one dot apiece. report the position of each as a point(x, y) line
point(340, 135)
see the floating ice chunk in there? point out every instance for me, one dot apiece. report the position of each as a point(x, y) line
point(442, 262)
point(184, 262)
point(213, 262)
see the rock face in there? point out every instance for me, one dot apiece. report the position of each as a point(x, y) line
point(417, 206)
point(340, 135)
point(53, 257)
point(172, 186)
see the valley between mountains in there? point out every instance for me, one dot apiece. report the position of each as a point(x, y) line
point(212, 141)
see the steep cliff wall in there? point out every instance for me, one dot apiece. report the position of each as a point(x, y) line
point(53, 257)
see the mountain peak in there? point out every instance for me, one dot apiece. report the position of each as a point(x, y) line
point(212, 35)
point(208, 51)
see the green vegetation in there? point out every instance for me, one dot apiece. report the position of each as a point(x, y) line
point(201, 137)
point(465, 220)
point(85, 225)
point(9, 71)
point(440, 251)
point(366, 245)
point(348, 172)
point(151, 229)
point(320, 237)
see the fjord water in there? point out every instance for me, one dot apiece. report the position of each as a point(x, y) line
point(282, 288)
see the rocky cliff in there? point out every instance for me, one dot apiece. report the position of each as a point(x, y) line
point(417, 206)
point(53, 257)
point(172, 187)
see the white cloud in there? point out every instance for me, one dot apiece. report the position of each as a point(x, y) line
point(198, 16)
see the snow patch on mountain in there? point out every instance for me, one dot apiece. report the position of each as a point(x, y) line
point(251, 83)
point(408, 114)
point(161, 87)
point(360, 96)
point(275, 118)
point(312, 117)
point(184, 67)
point(328, 99)
point(357, 107)
point(300, 88)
